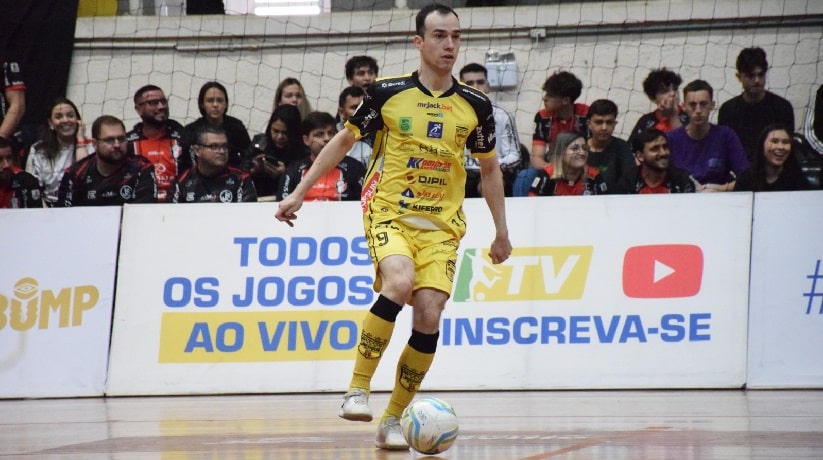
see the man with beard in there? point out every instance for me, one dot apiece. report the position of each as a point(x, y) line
point(159, 139)
point(655, 173)
point(212, 180)
point(110, 176)
point(18, 189)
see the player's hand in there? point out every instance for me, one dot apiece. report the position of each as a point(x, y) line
point(287, 209)
point(500, 250)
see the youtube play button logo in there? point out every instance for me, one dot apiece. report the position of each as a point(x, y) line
point(662, 271)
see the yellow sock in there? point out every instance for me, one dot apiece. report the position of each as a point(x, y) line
point(378, 325)
point(414, 362)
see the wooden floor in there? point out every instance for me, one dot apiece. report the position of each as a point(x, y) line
point(493, 425)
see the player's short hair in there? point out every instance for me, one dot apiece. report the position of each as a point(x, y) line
point(353, 91)
point(563, 84)
point(642, 138)
point(316, 120)
point(603, 107)
point(750, 59)
point(208, 129)
point(143, 90)
point(108, 120)
point(420, 19)
point(660, 80)
point(360, 61)
point(202, 96)
point(698, 85)
point(473, 67)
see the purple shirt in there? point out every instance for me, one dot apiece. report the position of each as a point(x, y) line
point(709, 160)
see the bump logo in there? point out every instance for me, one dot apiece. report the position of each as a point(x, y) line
point(531, 273)
point(662, 271)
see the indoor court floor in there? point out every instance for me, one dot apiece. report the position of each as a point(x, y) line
point(500, 425)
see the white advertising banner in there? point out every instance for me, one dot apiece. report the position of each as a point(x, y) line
point(786, 306)
point(600, 292)
point(56, 296)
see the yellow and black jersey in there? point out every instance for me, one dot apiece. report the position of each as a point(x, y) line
point(416, 171)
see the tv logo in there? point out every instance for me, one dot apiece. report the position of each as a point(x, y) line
point(531, 273)
point(662, 271)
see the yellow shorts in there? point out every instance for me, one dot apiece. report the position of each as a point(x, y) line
point(434, 253)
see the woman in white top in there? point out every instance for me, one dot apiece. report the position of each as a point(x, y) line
point(63, 143)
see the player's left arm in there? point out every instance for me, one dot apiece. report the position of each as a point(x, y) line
point(491, 179)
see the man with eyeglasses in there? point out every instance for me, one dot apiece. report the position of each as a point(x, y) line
point(159, 139)
point(756, 108)
point(508, 143)
point(212, 179)
point(110, 176)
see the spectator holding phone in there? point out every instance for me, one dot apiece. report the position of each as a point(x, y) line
point(272, 151)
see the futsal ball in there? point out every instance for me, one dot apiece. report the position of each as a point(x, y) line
point(429, 425)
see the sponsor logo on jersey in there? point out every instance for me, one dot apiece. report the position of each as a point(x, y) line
point(429, 165)
point(369, 190)
point(461, 133)
point(435, 130)
point(405, 124)
point(434, 106)
point(408, 193)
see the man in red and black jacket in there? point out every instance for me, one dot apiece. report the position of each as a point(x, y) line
point(655, 174)
point(18, 189)
point(110, 176)
point(159, 139)
point(212, 179)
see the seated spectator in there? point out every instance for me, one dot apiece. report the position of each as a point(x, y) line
point(158, 138)
point(18, 189)
point(273, 150)
point(661, 86)
point(361, 71)
point(63, 144)
point(610, 155)
point(655, 173)
point(212, 179)
point(506, 138)
point(110, 176)
point(213, 102)
point(350, 98)
point(560, 114)
point(748, 113)
point(342, 183)
point(711, 154)
point(775, 167)
point(291, 92)
point(813, 128)
point(568, 173)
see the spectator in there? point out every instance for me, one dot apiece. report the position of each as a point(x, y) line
point(64, 143)
point(711, 154)
point(350, 98)
point(610, 155)
point(361, 71)
point(272, 151)
point(655, 173)
point(748, 113)
point(291, 92)
point(18, 189)
point(568, 173)
point(12, 105)
point(775, 167)
point(213, 102)
point(508, 143)
point(110, 176)
point(342, 183)
point(158, 138)
point(813, 128)
point(212, 179)
point(661, 86)
point(560, 114)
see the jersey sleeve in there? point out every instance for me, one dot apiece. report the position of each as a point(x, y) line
point(367, 119)
point(145, 187)
point(247, 190)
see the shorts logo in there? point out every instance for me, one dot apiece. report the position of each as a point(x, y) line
point(435, 130)
point(531, 273)
point(405, 124)
point(662, 271)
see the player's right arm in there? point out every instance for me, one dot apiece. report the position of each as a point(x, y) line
point(328, 158)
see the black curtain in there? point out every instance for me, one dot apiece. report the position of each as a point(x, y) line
point(39, 34)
